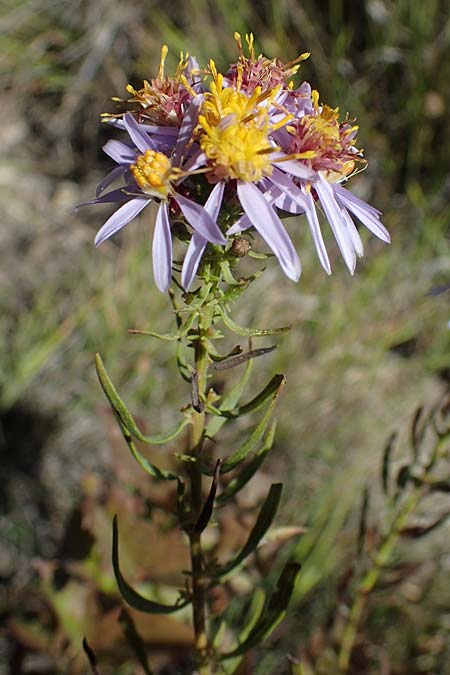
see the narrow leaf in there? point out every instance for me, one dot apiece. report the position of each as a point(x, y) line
point(386, 465)
point(229, 402)
point(134, 640)
point(417, 531)
point(237, 483)
point(250, 332)
point(254, 615)
point(263, 522)
point(124, 414)
point(168, 337)
point(275, 385)
point(208, 506)
point(196, 401)
point(214, 354)
point(134, 599)
point(273, 614)
point(362, 529)
point(91, 657)
point(248, 446)
point(143, 462)
point(237, 360)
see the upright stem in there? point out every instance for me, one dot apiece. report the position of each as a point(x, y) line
point(370, 579)
point(196, 495)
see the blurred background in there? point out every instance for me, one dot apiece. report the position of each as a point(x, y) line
point(365, 352)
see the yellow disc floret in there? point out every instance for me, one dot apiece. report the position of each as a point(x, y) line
point(236, 150)
point(153, 172)
point(234, 131)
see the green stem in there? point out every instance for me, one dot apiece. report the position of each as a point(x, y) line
point(371, 578)
point(196, 495)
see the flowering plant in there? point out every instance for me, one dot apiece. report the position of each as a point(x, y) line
point(222, 155)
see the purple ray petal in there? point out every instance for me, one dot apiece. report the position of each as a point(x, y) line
point(270, 227)
point(284, 183)
point(120, 218)
point(365, 214)
point(110, 197)
point(162, 249)
point(110, 178)
point(346, 194)
point(119, 152)
point(190, 120)
point(337, 223)
point(353, 233)
point(316, 232)
point(292, 166)
point(242, 224)
point(271, 194)
point(139, 137)
point(198, 243)
point(197, 160)
point(197, 216)
point(150, 128)
point(192, 259)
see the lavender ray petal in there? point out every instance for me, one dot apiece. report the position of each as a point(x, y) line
point(120, 218)
point(190, 120)
point(197, 160)
point(242, 224)
point(353, 233)
point(139, 137)
point(337, 223)
point(192, 259)
point(284, 183)
point(366, 216)
point(270, 194)
point(349, 196)
point(162, 249)
point(292, 166)
point(110, 197)
point(119, 152)
point(153, 129)
point(316, 232)
point(110, 178)
point(200, 220)
point(214, 201)
point(270, 227)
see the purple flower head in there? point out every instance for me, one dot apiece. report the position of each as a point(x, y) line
point(152, 176)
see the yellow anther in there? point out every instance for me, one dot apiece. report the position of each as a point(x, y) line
point(164, 51)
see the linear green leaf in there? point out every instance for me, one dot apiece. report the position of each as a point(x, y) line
point(263, 522)
point(236, 360)
point(229, 401)
point(169, 337)
point(273, 386)
point(134, 599)
point(248, 446)
point(124, 414)
point(134, 640)
point(273, 614)
point(253, 616)
point(250, 332)
point(150, 468)
point(237, 483)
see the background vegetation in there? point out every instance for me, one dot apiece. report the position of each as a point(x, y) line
point(364, 354)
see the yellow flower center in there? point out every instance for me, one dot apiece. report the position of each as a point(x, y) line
point(237, 150)
point(234, 131)
point(154, 174)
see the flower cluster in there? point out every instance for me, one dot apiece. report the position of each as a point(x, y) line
point(248, 134)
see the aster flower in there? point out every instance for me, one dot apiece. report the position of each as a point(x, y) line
point(235, 141)
point(327, 147)
point(152, 175)
point(163, 100)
